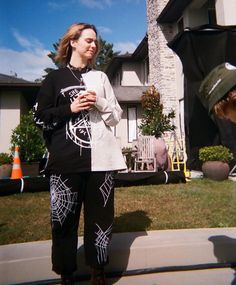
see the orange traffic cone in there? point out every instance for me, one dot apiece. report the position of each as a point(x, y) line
point(16, 168)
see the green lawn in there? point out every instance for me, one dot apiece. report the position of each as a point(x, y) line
point(200, 203)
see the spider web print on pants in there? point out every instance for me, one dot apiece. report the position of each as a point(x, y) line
point(101, 243)
point(63, 200)
point(107, 186)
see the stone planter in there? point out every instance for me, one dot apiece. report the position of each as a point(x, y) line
point(216, 170)
point(5, 170)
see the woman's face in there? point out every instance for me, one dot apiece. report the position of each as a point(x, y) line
point(86, 45)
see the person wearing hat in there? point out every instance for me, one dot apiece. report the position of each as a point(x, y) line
point(218, 91)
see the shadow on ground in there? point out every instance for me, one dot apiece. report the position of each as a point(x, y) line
point(119, 259)
point(225, 251)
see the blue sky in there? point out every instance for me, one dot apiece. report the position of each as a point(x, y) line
point(30, 27)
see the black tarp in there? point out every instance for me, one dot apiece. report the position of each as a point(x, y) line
point(40, 183)
point(200, 49)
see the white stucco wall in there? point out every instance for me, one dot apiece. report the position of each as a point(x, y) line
point(131, 74)
point(225, 12)
point(9, 118)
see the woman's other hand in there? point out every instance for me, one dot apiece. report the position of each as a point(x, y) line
point(83, 102)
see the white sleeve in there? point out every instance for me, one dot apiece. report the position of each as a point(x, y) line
point(108, 106)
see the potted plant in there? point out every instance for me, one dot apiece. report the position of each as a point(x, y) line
point(5, 165)
point(154, 123)
point(128, 153)
point(31, 144)
point(215, 161)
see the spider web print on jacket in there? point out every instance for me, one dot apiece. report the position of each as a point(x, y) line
point(107, 186)
point(101, 243)
point(63, 201)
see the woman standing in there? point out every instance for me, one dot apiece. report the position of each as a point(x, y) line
point(76, 107)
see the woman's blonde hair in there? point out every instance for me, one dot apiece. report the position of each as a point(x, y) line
point(64, 50)
point(220, 108)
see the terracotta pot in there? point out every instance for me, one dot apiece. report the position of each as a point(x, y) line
point(161, 154)
point(216, 170)
point(5, 170)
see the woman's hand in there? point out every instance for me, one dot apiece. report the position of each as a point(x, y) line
point(84, 101)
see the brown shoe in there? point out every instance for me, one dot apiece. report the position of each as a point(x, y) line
point(67, 280)
point(98, 277)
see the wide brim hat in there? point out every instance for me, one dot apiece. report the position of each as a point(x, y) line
point(217, 84)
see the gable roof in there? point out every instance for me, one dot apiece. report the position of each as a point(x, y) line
point(116, 63)
point(7, 80)
point(142, 49)
point(140, 53)
point(173, 11)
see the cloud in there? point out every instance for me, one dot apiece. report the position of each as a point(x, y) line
point(108, 2)
point(29, 63)
point(133, 1)
point(56, 6)
point(91, 4)
point(124, 47)
point(96, 4)
point(104, 30)
point(26, 43)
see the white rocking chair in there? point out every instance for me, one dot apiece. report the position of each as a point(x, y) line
point(145, 154)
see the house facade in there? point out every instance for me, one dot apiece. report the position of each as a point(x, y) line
point(17, 96)
point(166, 19)
point(129, 76)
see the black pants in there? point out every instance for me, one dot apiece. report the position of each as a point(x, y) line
point(95, 190)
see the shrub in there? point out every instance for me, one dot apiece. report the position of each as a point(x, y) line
point(5, 158)
point(29, 139)
point(213, 153)
point(154, 122)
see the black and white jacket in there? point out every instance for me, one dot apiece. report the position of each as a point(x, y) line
point(84, 141)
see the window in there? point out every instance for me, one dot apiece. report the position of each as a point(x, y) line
point(117, 79)
point(132, 123)
point(146, 71)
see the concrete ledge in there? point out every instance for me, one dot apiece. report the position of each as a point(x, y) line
point(28, 262)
